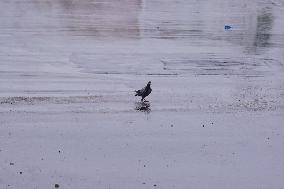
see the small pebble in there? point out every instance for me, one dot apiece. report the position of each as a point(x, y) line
point(11, 163)
point(202, 125)
point(21, 172)
point(56, 185)
point(172, 125)
point(155, 185)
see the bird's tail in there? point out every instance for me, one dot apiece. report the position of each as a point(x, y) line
point(136, 93)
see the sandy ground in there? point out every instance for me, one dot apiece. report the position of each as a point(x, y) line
point(68, 114)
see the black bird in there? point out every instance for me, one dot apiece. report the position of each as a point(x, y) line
point(145, 91)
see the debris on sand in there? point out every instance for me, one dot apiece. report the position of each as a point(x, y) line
point(56, 185)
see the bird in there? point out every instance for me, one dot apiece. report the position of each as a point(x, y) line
point(144, 92)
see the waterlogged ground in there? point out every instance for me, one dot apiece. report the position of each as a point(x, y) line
point(68, 114)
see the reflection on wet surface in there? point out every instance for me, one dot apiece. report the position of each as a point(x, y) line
point(93, 28)
point(72, 18)
point(142, 19)
point(137, 39)
point(101, 18)
point(264, 27)
point(143, 107)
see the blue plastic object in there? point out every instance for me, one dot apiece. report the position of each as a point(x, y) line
point(227, 27)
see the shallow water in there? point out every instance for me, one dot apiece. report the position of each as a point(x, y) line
point(142, 37)
point(68, 114)
point(71, 47)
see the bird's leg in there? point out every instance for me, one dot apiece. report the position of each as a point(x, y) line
point(143, 100)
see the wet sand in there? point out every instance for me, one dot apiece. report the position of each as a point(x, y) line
point(68, 114)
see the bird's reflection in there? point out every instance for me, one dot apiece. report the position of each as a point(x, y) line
point(143, 106)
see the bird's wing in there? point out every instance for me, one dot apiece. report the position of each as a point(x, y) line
point(141, 91)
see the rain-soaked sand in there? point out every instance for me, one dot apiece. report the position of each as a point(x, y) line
point(68, 114)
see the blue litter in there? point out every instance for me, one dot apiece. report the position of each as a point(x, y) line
point(227, 27)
